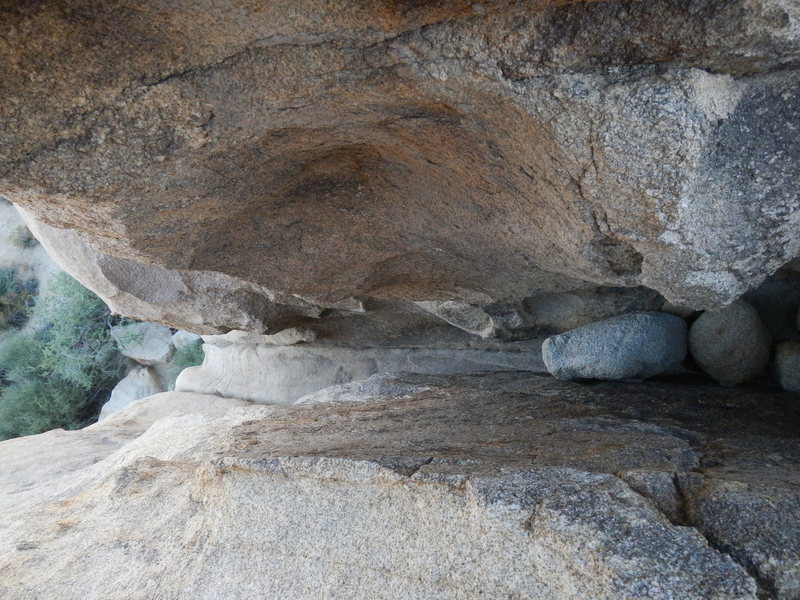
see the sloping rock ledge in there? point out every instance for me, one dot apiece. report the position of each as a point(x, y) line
point(416, 487)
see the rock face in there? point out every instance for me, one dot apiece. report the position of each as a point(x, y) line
point(633, 346)
point(265, 166)
point(503, 485)
point(547, 314)
point(731, 344)
point(330, 191)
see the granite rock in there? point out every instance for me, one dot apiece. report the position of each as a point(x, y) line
point(185, 339)
point(268, 165)
point(632, 346)
point(276, 374)
point(731, 344)
point(500, 485)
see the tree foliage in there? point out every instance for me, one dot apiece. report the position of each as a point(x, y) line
point(59, 374)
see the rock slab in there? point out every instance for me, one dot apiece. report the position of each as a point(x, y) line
point(499, 485)
point(274, 374)
point(632, 346)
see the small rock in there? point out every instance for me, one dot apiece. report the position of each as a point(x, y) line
point(786, 365)
point(466, 317)
point(146, 343)
point(139, 383)
point(632, 346)
point(731, 344)
point(185, 339)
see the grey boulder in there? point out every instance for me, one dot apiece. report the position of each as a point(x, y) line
point(185, 339)
point(731, 344)
point(786, 365)
point(632, 346)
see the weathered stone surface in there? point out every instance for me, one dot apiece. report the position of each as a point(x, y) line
point(200, 301)
point(376, 387)
point(264, 164)
point(632, 346)
point(786, 365)
point(146, 343)
point(753, 521)
point(141, 382)
point(437, 487)
point(731, 344)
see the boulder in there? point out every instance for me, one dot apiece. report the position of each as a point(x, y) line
point(632, 346)
point(274, 164)
point(731, 344)
point(185, 339)
point(786, 365)
point(141, 382)
point(146, 343)
point(496, 486)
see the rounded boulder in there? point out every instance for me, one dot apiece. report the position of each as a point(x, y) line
point(731, 344)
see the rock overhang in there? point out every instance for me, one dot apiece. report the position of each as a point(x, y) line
point(300, 160)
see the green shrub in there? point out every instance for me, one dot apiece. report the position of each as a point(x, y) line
point(22, 237)
point(16, 298)
point(60, 374)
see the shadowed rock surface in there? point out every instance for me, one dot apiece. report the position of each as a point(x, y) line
point(426, 487)
point(261, 165)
